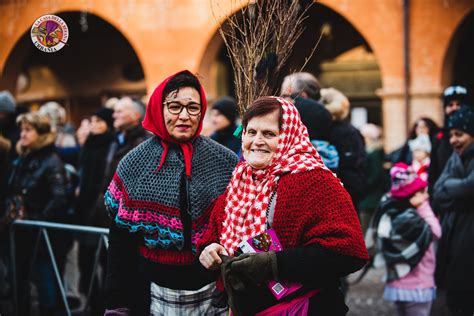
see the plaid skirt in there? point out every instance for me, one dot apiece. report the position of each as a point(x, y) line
point(167, 302)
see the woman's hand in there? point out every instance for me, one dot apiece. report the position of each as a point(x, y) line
point(209, 257)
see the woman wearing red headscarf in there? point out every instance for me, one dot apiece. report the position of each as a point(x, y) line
point(159, 201)
point(283, 184)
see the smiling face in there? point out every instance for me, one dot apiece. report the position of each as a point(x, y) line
point(183, 126)
point(260, 139)
point(459, 140)
point(97, 125)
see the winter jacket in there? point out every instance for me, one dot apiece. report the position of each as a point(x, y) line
point(116, 152)
point(92, 164)
point(453, 198)
point(226, 138)
point(422, 276)
point(377, 179)
point(440, 153)
point(38, 176)
point(351, 148)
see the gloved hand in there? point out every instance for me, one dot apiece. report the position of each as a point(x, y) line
point(256, 267)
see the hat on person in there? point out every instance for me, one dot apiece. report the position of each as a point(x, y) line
point(7, 102)
point(315, 117)
point(455, 92)
point(105, 114)
point(227, 107)
point(405, 182)
point(462, 119)
point(422, 142)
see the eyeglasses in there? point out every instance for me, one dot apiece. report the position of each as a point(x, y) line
point(176, 108)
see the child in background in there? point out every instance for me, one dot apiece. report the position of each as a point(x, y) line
point(404, 228)
point(421, 150)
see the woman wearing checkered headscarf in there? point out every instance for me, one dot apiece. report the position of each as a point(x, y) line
point(283, 184)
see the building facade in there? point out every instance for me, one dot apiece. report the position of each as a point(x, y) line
point(129, 46)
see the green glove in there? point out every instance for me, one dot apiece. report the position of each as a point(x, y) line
point(257, 268)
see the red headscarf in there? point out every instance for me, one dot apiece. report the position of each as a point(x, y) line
point(155, 123)
point(249, 190)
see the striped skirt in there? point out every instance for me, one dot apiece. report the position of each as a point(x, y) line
point(167, 302)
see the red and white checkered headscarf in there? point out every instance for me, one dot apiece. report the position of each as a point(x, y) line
point(250, 189)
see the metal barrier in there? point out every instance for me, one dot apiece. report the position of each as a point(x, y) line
point(43, 232)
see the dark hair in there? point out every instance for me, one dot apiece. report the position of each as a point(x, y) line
point(183, 79)
point(260, 107)
point(433, 129)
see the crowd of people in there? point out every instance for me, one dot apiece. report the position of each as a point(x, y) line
point(199, 225)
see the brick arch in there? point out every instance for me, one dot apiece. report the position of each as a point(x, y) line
point(451, 48)
point(215, 42)
point(23, 25)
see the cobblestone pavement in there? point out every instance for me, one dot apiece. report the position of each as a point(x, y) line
point(365, 298)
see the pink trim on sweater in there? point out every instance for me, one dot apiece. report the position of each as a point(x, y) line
point(422, 276)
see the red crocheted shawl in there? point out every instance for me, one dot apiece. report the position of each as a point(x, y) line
point(311, 208)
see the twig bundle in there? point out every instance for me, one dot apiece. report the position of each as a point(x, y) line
point(259, 41)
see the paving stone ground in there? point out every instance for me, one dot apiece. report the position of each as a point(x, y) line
point(365, 298)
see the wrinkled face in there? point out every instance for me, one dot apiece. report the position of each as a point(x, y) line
point(452, 107)
point(459, 140)
point(177, 106)
point(260, 140)
point(421, 128)
point(97, 125)
point(218, 120)
point(28, 135)
point(125, 117)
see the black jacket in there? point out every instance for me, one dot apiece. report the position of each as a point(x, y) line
point(116, 152)
point(226, 138)
point(351, 148)
point(92, 163)
point(453, 199)
point(440, 153)
point(39, 177)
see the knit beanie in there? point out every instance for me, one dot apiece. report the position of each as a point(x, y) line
point(455, 93)
point(105, 114)
point(422, 142)
point(227, 107)
point(7, 102)
point(462, 119)
point(405, 182)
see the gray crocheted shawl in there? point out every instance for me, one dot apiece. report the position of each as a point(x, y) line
point(140, 198)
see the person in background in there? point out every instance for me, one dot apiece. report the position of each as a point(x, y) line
point(37, 187)
point(349, 144)
point(92, 162)
point(318, 122)
point(159, 202)
point(303, 90)
point(223, 117)
point(404, 229)
point(453, 98)
point(377, 177)
point(423, 126)
point(421, 149)
point(301, 84)
point(83, 131)
point(453, 199)
point(66, 143)
point(283, 184)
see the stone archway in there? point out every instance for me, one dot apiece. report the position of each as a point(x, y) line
point(99, 63)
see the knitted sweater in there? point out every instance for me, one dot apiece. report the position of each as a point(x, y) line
point(160, 215)
point(318, 228)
